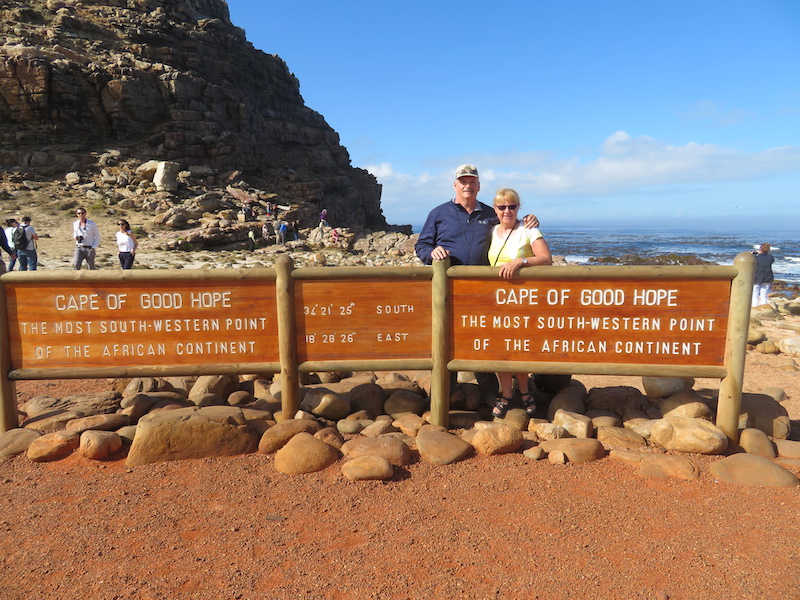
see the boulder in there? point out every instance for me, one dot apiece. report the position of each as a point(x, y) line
point(752, 470)
point(367, 468)
point(683, 434)
point(305, 454)
point(191, 433)
point(575, 450)
point(441, 447)
point(498, 438)
point(277, 436)
point(53, 446)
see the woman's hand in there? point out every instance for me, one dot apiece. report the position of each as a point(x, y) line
point(508, 270)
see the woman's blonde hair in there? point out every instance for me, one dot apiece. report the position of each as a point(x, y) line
point(506, 196)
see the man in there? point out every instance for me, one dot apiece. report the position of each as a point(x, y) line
point(26, 250)
point(11, 225)
point(87, 239)
point(461, 229)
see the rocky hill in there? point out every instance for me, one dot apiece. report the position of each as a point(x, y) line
point(167, 80)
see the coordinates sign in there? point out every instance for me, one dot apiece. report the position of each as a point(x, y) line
point(363, 320)
point(641, 322)
point(141, 323)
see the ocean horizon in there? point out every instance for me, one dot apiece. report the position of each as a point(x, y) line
point(579, 244)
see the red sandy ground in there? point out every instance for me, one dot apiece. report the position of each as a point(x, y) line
point(486, 528)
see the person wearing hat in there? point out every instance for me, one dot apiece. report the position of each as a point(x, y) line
point(461, 229)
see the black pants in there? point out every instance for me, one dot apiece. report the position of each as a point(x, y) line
point(126, 260)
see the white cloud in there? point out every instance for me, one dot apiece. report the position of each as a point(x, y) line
point(623, 166)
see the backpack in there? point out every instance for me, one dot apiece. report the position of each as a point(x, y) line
point(19, 238)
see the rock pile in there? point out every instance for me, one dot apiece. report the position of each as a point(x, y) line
point(375, 425)
point(155, 80)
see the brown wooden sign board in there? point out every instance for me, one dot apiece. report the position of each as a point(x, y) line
point(660, 322)
point(358, 320)
point(137, 323)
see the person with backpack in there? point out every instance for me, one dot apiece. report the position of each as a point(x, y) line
point(11, 225)
point(25, 237)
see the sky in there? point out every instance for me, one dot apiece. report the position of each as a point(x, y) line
point(679, 113)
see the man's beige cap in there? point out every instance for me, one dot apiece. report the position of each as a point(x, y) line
point(467, 171)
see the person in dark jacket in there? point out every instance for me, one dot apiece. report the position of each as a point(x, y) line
point(764, 275)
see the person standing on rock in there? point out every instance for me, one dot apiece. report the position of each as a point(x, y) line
point(127, 244)
point(11, 225)
point(87, 239)
point(764, 275)
point(26, 246)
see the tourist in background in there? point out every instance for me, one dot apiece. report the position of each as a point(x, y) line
point(764, 275)
point(11, 225)
point(514, 246)
point(87, 239)
point(25, 246)
point(323, 218)
point(127, 244)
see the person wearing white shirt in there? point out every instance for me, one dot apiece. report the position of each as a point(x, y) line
point(87, 239)
point(126, 242)
point(11, 225)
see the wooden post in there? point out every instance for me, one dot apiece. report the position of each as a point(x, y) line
point(287, 342)
point(9, 418)
point(730, 389)
point(440, 343)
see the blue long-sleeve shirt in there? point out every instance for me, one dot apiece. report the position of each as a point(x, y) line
point(466, 235)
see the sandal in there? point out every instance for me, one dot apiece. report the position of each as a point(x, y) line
point(501, 407)
point(528, 403)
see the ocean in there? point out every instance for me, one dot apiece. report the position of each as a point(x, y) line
point(579, 244)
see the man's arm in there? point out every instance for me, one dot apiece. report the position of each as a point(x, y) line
point(530, 221)
point(426, 243)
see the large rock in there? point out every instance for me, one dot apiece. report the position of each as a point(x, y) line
point(662, 387)
point(16, 441)
point(498, 438)
point(305, 454)
point(367, 468)
point(683, 434)
point(95, 403)
point(575, 450)
point(752, 470)
point(99, 445)
point(324, 403)
point(191, 433)
point(392, 449)
point(276, 437)
point(441, 447)
point(53, 446)
point(404, 401)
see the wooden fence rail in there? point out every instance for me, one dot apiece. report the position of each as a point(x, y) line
point(676, 321)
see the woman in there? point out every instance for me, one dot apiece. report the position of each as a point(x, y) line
point(764, 276)
point(127, 244)
point(514, 246)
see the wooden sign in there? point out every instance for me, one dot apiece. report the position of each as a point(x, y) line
point(363, 319)
point(137, 323)
point(663, 322)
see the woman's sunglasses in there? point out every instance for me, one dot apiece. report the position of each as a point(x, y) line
point(502, 207)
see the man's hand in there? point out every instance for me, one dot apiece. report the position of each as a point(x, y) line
point(530, 221)
point(440, 253)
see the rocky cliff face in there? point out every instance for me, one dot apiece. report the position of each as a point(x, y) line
point(170, 80)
